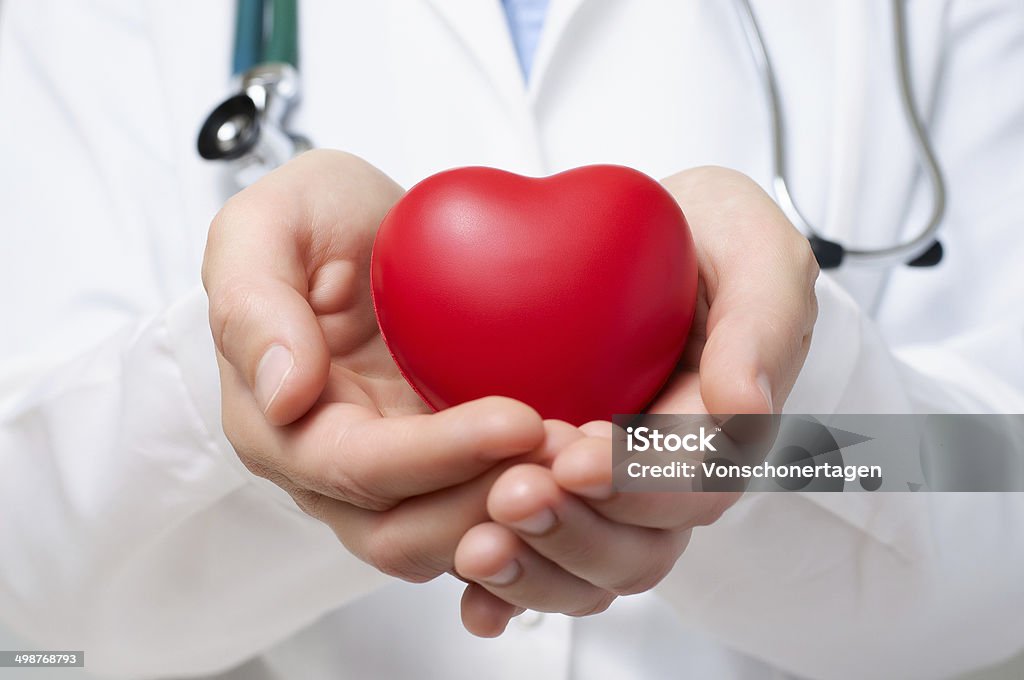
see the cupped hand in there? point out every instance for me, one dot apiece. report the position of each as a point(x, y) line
point(561, 539)
point(311, 398)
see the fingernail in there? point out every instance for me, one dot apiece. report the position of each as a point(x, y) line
point(271, 373)
point(537, 523)
point(766, 390)
point(597, 492)
point(505, 575)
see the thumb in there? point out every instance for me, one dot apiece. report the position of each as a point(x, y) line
point(261, 320)
point(751, 360)
point(761, 315)
point(758, 273)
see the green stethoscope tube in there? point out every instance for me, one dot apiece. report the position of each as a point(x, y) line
point(265, 31)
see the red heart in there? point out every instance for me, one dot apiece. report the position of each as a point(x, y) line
point(573, 293)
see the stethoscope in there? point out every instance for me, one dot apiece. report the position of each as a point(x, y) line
point(250, 129)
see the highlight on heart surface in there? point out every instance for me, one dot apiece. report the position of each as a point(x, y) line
point(572, 293)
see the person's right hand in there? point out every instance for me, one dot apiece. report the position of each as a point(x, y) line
point(561, 538)
point(311, 397)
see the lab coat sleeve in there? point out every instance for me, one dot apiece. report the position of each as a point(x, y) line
point(128, 527)
point(900, 584)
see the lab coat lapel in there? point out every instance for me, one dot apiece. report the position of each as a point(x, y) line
point(559, 17)
point(482, 29)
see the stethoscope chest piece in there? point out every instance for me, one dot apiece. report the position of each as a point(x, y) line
point(250, 129)
point(231, 130)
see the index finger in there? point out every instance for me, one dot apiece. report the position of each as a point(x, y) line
point(376, 462)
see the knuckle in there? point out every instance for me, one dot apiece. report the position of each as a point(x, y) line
point(639, 583)
point(348, 487)
point(706, 176)
point(319, 156)
point(217, 236)
point(658, 564)
point(253, 466)
point(230, 308)
point(800, 258)
point(324, 160)
point(268, 471)
point(355, 169)
point(236, 435)
point(811, 266)
point(310, 503)
point(598, 606)
point(247, 451)
point(709, 516)
point(348, 476)
point(389, 550)
point(579, 552)
point(798, 252)
point(719, 173)
point(812, 316)
point(714, 511)
point(642, 581)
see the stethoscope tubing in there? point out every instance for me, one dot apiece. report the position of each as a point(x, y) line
point(899, 253)
point(266, 31)
point(259, 46)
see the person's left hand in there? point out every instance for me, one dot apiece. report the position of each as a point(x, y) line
point(560, 539)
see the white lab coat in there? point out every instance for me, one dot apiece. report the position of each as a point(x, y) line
point(129, 529)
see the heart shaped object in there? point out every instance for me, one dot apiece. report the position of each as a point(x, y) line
point(573, 293)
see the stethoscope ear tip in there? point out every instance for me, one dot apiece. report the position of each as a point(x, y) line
point(930, 257)
point(231, 130)
point(829, 254)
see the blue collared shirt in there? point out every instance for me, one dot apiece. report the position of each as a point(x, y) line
point(525, 21)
